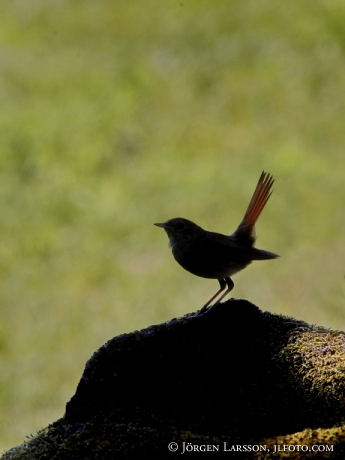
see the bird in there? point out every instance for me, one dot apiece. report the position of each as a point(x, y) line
point(214, 255)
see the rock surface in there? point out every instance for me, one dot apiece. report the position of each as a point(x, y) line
point(233, 375)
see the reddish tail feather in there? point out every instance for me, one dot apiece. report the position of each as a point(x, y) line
point(245, 232)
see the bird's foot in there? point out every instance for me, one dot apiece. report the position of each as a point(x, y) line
point(229, 283)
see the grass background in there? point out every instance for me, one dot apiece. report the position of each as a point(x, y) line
point(116, 115)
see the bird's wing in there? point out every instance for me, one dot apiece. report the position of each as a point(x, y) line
point(219, 254)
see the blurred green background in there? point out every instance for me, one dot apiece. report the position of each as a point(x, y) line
point(116, 115)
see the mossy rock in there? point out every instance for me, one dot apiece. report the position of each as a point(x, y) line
point(234, 376)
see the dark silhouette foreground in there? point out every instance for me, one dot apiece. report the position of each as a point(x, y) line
point(217, 256)
point(234, 375)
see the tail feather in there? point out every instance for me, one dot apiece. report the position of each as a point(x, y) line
point(245, 231)
point(261, 254)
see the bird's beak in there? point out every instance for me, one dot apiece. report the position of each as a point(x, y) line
point(161, 224)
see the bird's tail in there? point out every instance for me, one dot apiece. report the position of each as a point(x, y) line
point(245, 233)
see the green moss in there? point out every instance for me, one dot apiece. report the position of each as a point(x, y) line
point(317, 363)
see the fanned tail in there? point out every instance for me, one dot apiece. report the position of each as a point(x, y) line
point(245, 233)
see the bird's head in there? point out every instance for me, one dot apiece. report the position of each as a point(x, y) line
point(179, 229)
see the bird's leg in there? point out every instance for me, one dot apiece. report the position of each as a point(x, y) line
point(222, 283)
point(230, 285)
